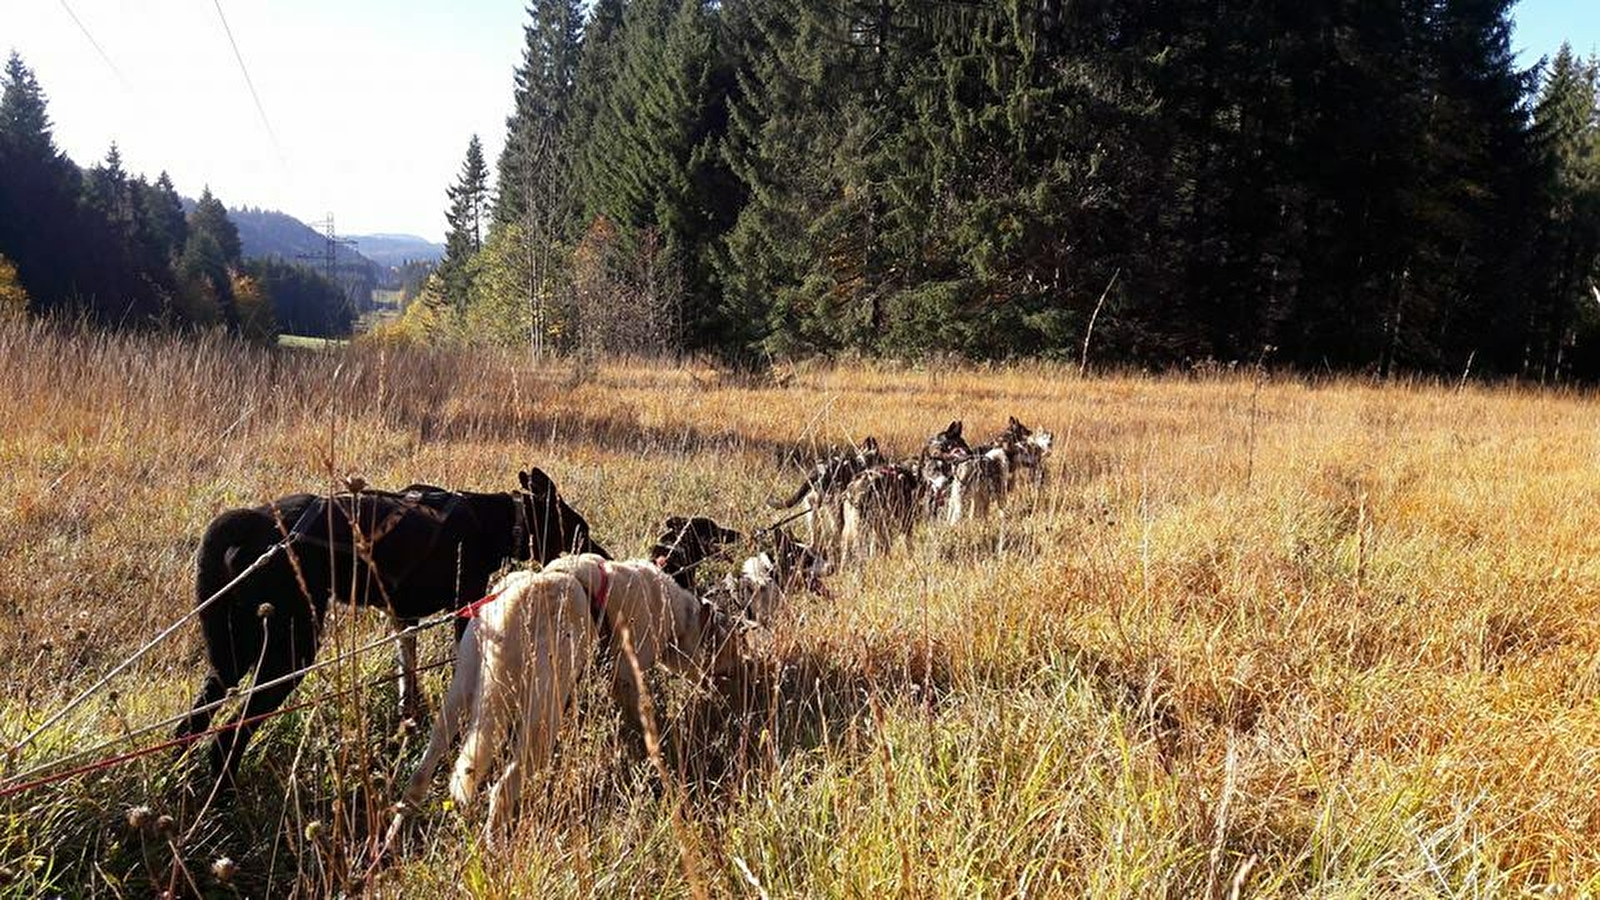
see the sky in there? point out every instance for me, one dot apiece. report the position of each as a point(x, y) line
point(368, 104)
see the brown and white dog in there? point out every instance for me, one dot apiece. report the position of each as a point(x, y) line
point(981, 480)
point(521, 656)
point(1025, 448)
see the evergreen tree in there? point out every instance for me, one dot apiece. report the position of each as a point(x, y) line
point(210, 219)
point(535, 153)
point(161, 216)
point(599, 57)
point(654, 159)
point(211, 255)
point(469, 198)
point(38, 195)
point(1567, 134)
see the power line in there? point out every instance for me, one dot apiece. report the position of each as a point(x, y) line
point(95, 44)
point(247, 82)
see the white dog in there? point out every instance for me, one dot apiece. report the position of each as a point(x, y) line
point(520, 659)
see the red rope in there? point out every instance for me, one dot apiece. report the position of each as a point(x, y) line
point(102, 765)
point(470, 611)
point(467, 612)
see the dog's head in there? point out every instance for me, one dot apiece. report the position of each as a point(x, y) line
point(1037, 446)
point(1014, 433)
point(868, 454)
point(729, 641)
point(948, 443)
point(798, 564)
point(549, 527)
point(685, 542)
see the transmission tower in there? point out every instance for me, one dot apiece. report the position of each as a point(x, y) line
point(331, 242)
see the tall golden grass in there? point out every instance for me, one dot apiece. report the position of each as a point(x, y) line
point(1254, 636)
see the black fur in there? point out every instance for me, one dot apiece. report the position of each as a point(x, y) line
point(834, 474)
point(685, 543)
point(413, 554)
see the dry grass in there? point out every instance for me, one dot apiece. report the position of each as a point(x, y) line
point(1332, 640)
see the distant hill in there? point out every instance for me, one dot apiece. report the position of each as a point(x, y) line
point(393, 250)
point(267, 233)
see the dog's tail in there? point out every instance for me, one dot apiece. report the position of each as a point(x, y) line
point(231, 650)
point(799, 494)
point(236, 537)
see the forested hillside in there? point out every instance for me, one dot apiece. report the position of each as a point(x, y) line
point(1325, 184)
point(123, 251)
point(269, 234)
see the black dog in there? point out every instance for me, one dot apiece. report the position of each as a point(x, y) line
point(685, 543)
point(414, 554)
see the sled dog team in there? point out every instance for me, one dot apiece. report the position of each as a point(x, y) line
point(524, 644)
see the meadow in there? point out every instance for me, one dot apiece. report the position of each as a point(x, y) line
point(1256, 635)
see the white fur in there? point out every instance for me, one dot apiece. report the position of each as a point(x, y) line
point(758, 591)
point(520, 659)
point(973, 490)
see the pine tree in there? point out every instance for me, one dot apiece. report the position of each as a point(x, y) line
point(535, 154)
point(211, 255)
point(38, 195)
point(469, 198)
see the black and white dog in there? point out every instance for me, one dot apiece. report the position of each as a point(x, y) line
point(823, 493)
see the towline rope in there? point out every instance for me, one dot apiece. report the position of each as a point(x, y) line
point(110, 762)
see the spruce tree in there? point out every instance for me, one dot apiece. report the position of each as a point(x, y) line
point(211, 255)
point(1567, 136)
point(535, 153)
point(655, 166)
point(469, 198)
point(38, 195)
point(210, 219)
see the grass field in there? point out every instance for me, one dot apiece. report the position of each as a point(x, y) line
point(1260, 637)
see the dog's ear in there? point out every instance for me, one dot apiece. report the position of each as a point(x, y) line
point(1014, 422)
point(870, 445)
point(535, 481)
point(954, 431)
point(675, 524)
point(522, 479)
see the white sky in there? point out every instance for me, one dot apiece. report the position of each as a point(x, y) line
point(372, 102)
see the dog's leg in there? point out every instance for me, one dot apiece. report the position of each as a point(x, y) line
point(211, 691)
point(412, 706)
point(496, 698)
point(503, 799)
point(457, 704)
